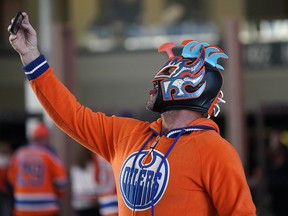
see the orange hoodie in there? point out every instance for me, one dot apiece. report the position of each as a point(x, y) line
point(190, 171)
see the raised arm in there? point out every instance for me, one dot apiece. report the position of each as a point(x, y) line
point(94, 130)
point(56, 99)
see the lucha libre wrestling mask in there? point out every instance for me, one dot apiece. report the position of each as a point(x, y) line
point(192, 81)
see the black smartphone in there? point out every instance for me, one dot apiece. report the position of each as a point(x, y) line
point(17, 23)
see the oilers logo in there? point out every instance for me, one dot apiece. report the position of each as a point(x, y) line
point(141, 182)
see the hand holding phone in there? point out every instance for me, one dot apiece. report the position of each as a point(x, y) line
point(17, 23)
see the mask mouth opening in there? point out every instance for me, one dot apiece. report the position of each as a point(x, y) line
point(156, 86)
point(154, 90)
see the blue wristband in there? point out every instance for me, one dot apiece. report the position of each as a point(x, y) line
point(36, 68)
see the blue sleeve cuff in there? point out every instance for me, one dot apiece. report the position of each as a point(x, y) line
point(36, 68)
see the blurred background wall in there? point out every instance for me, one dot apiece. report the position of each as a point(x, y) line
point(127, 34)
point(106, 53)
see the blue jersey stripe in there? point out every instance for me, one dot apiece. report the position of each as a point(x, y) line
point(34, 202)
point(110, 204)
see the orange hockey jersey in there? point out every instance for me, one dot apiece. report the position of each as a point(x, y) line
point(107, 196)
point(38, 178)
point(188, 171)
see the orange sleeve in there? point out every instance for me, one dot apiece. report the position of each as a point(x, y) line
point(224, 178)
point(94, 130)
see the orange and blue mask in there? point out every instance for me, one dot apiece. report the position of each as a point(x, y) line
point(191, 81)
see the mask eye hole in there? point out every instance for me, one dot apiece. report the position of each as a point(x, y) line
point(167, 71)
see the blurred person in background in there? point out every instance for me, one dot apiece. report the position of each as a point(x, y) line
point(177, 165)
point(277, 172)
point(107, 195)
point(84, 186)
point(5, 157)
point(37, 176)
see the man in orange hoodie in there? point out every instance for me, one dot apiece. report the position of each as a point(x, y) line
point(177, 165)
